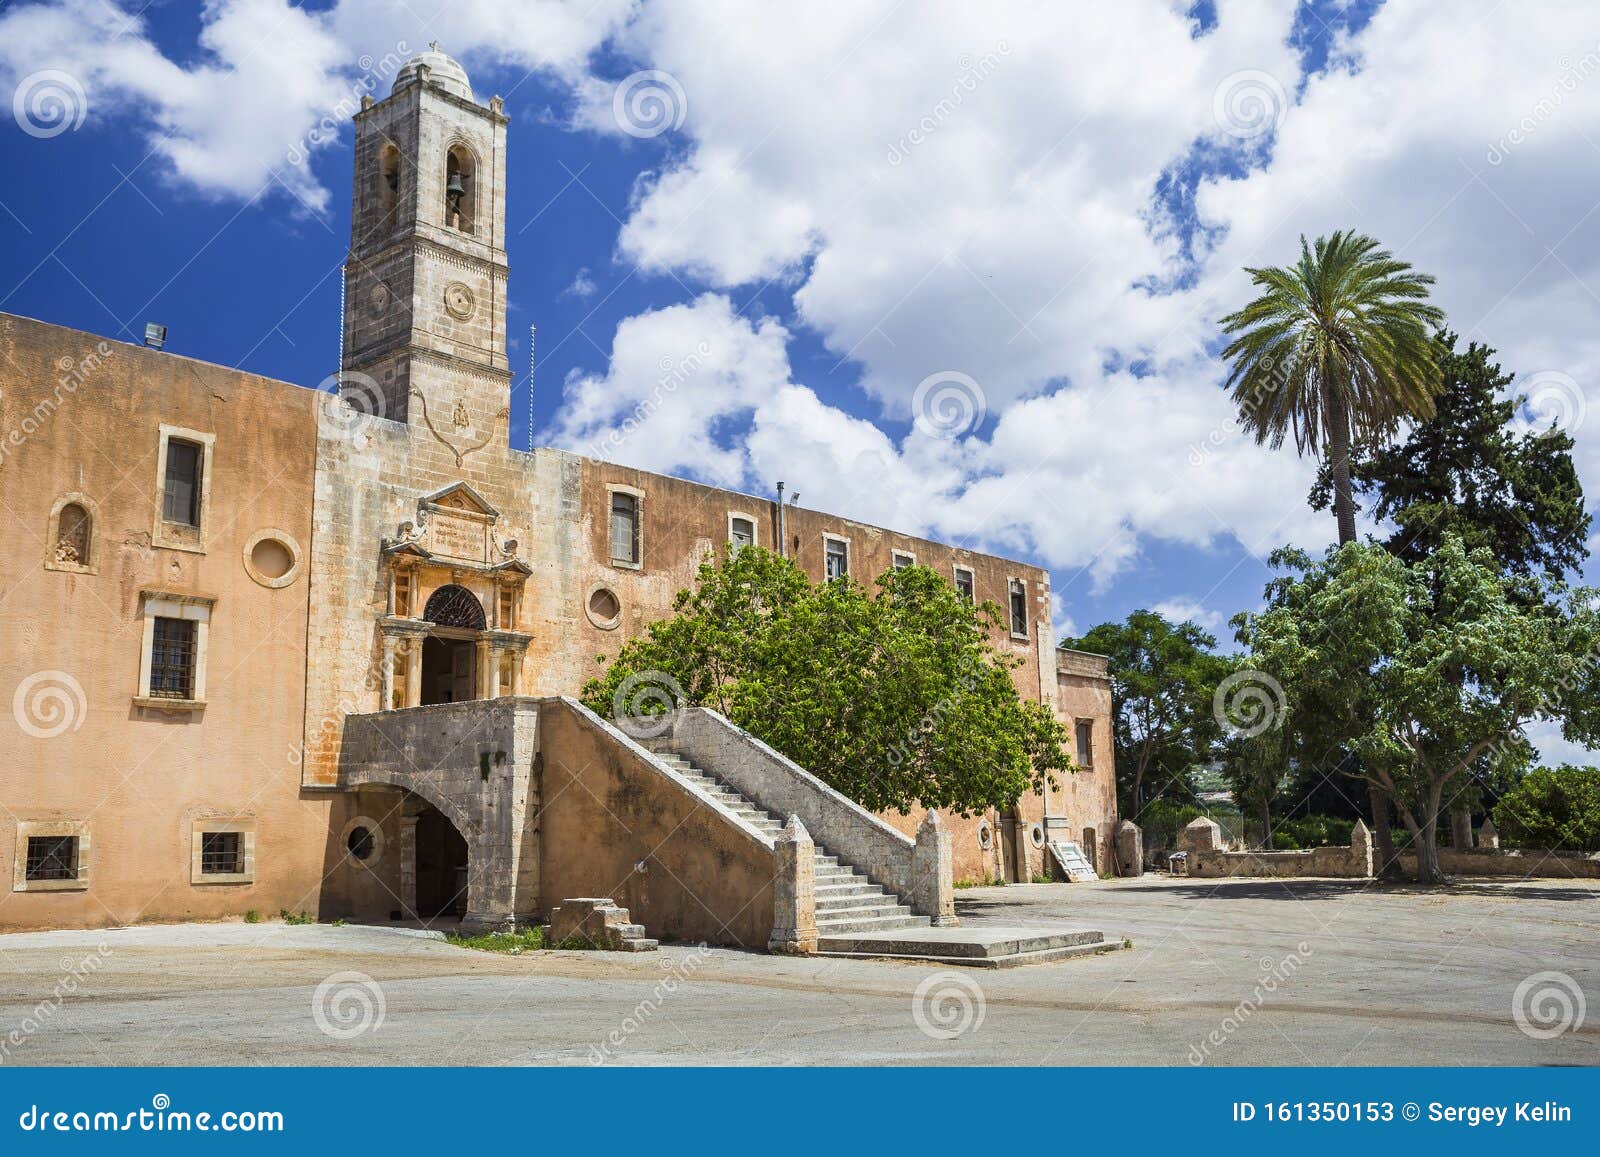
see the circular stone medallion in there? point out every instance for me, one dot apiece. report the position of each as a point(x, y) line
point(458, 300)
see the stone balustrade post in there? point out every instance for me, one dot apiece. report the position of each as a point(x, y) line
point(794, 891)
point(933, 873)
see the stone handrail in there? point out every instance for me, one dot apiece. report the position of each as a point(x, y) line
point(918, 871)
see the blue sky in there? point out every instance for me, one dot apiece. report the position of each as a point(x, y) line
point(1064, 233)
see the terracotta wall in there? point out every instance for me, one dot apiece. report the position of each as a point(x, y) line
point(80, 416)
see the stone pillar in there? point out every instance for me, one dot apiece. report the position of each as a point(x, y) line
point(1488, 834)
point(1027, 854)
point(414, 671)
point(1361, 855)
point(386, 689)
point(794, 891)
point(933, 892)
point(485, 659)
point(1129, 842)
point(1200, 835)
point(408, 865)
point(494, 673)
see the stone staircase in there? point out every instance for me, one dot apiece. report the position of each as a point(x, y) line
point(847, 901)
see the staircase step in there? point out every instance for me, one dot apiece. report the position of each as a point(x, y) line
point(831, 929)
point(978, 947)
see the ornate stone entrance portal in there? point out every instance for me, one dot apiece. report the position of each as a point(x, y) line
point(454, 602)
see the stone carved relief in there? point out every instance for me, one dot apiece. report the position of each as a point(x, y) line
point(460, 451)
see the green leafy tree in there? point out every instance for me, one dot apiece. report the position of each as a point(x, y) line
point(894, 696)
point(1422, 670)
point(1553, 809)
point(1469, 472)
point(1164, 677)
point(1338, 350)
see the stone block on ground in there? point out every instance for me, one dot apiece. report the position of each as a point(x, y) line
point(597, 923)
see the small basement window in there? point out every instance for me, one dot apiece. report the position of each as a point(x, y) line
point(51, 858)
point(221, 853)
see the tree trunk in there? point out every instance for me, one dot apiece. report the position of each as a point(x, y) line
point(1427, 839)
point(1387, 866)
point(1344, 503)
point(1461, 827)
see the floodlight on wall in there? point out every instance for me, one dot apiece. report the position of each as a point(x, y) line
point(155, 336)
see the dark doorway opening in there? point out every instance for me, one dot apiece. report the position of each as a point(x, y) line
point(449, 670)
point(441, 867)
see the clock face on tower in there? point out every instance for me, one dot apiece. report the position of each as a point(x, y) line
point(458, 301)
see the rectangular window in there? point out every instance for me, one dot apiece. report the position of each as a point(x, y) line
point(899, 559)
point(1085, 734)
point(624, 528)
point(52, 858)
point(964, 583)
point(221, 853)
point(836, 558)
point(181, 501)
point(172, 659)
point(508, 610)
point(1019, 607)
point(402, 595)
point(741, 533)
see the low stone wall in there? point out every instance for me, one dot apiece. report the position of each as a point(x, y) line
point(918, 871)
point(617, 822)
point(1202, 840)
point(1525, 864)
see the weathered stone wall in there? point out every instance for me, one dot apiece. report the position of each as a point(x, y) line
point(1525, 864)
point(779, 786)
point(80, 417)
point(616, 823)
point(1207, 856)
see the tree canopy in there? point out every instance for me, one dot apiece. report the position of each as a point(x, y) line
point(894, 695)
point(1423, 670)
point(1163, 679)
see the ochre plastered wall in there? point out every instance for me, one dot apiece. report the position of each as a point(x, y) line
point(81, 415)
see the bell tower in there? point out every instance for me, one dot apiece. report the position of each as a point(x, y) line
point(425, 280)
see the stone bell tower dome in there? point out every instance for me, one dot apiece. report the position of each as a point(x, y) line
point(425, 280)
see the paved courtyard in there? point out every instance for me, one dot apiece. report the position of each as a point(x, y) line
point(1225, 972)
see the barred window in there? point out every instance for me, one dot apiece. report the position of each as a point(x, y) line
point(181, 501)
point(172, 659)
point(221, 854)
point(52, 858)
point(624, 528)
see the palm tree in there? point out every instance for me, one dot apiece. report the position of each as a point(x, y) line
point(1339, 349)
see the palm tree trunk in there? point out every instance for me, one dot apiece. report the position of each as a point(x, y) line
point(1344, 503)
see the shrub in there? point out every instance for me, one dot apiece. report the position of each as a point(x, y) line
point(1311, 832)
point(1552, 809)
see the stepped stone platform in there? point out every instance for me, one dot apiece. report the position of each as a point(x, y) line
point(994, 946)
